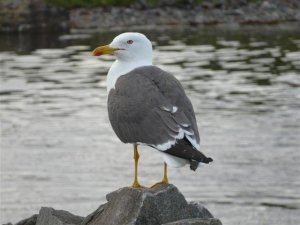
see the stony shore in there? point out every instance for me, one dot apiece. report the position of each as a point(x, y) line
point(163, 204)
point(37, 16)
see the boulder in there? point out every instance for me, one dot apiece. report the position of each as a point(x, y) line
point(50, 216)
point(29, 221)
point(196, 221)
point(163, 204)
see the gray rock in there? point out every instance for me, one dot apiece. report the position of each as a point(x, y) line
point(29, 221)
point(163, 204)
point(31, 15)
point(36, 15)
point(196, 221)
point(159, 205)
point(50, 216)
point(268, 5)
point(202, 212)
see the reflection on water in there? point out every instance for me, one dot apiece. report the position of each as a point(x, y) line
point(59, 150)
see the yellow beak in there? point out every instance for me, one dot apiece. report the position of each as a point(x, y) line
point(104, 50)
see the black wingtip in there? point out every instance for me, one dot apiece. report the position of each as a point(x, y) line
point(208, 160)
point(194, 165)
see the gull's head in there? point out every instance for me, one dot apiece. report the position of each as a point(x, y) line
point(128, 47)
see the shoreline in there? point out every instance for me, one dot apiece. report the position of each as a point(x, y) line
point(37, 16)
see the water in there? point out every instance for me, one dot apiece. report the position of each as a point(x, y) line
point(58, 149)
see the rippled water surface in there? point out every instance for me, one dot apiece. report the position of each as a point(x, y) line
point(58, 149)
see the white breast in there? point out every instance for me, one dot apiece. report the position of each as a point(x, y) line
point(120, 68)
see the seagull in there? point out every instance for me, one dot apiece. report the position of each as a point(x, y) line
point(148, 106)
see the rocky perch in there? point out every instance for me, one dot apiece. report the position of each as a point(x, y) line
point(163, 204)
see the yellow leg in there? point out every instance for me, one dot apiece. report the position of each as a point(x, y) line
point(136, 157)
point(165, 179)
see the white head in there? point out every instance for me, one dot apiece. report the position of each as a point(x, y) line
point(128, 47)
point(134, 46)
point(131, 49)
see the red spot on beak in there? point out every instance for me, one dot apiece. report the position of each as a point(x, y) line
point(98, 53)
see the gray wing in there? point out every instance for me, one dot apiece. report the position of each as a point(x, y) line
point(150, 106)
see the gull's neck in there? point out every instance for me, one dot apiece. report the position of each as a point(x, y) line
point(120, 68)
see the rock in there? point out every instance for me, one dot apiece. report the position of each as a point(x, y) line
point(163, 204)
point(32, 15)
point(160, 205)
point(50, 216)
point(196, 221)
point(29, 221)
point(38, 16)
point(202, 211)
point(268, 5)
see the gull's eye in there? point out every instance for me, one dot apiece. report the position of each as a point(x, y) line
point(130, 42)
